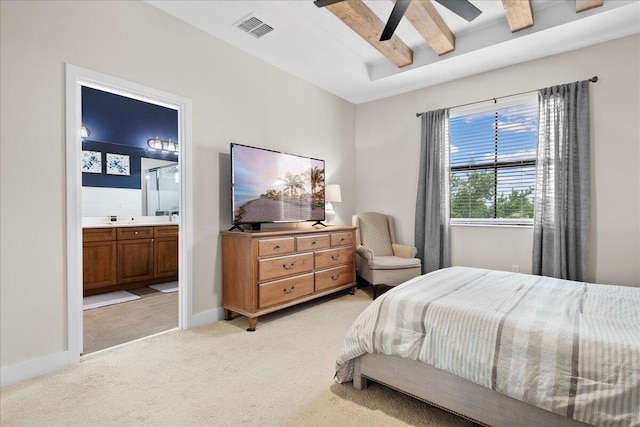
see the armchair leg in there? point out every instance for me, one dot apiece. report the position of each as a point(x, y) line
point(374, 291)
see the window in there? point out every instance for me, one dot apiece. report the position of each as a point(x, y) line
point(493, 160)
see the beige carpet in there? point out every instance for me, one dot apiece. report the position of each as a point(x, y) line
point(221, 375)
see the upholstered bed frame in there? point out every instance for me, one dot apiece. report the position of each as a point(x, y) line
point(452, 393)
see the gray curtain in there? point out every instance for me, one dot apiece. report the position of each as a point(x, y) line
point(562, 200)
point(432, 234)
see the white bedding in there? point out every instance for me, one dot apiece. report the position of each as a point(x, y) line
point(571, 348)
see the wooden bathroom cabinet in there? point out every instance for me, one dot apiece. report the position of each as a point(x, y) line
point(121, 258)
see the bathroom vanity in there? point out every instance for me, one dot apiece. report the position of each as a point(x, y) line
point(128, 256)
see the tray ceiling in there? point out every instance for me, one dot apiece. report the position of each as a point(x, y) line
point(315, 45)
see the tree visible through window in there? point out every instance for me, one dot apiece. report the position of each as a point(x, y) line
point(493, 158)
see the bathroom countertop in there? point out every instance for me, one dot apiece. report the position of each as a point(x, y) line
point(93, 222)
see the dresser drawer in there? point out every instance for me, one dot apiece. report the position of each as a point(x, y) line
point(98, 234)
point(280, 291)
point(333, 277)
point(311, 243)
point(270, 247)
point(332, 257)
point(273, 268)
point(131, 233)
point(341, 239)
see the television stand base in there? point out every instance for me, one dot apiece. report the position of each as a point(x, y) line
point(254, 227)
point(318, 223)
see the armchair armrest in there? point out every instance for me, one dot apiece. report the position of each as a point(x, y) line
point(404, 251)
point(365, 252)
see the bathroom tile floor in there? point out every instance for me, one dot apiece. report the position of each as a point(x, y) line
point(109, 326)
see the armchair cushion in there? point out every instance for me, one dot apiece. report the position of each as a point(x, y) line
point(374, 232)
point(404, 251)
point(393, 263)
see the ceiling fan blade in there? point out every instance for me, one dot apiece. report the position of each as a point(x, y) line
point(463, 8)
point(323, 3)
point(396, 15)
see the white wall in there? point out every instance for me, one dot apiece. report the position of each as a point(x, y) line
point(388, 129)
point(235, 98)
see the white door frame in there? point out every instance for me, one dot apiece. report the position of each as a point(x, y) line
point(77, 77)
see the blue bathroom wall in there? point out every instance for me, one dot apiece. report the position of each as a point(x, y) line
point(134, 180)
point(122, 125)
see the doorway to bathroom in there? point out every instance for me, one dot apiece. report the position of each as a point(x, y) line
point(130, 208)
point(128, 223)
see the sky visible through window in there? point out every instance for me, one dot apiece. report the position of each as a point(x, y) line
point(498, 140)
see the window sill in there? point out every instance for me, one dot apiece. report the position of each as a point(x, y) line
point(500, 224)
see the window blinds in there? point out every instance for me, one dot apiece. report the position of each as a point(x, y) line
point(493, 154)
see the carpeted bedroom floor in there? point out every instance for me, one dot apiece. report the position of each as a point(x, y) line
point(221, 375)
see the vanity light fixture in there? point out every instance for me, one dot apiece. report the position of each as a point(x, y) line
point(157, 144)
point(84, 132)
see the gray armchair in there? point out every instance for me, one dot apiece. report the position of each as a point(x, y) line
point(379, 259)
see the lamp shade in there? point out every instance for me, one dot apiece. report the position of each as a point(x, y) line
point(332, 193)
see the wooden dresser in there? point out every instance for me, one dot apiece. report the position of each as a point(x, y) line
point(265, 271)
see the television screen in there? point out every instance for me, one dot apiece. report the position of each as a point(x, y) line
point(269, 186)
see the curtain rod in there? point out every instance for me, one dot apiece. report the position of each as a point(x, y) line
point(592, 80)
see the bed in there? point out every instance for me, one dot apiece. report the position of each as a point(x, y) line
point(504, 349)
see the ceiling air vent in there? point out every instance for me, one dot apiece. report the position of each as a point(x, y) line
point(254, 26)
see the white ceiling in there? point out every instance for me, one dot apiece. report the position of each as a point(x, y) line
point(313, 44)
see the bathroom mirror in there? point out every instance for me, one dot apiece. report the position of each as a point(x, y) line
point(127, 184)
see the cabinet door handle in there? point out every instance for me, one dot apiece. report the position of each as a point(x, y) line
point(335, 277)
point(335, 257)
point(152, 240)
point(289, 266)
point(289, 290)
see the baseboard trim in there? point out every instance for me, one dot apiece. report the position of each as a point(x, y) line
point(34, 368)
point(206, 317)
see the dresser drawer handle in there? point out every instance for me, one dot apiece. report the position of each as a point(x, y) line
point(342, 240)
point(289, 290)
point(276, 247)
point(313, 243)
point(335, 257)
point(135, 232)
point(289, 266)
point(335, 277)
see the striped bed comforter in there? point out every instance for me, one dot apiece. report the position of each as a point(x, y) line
point(568, 347)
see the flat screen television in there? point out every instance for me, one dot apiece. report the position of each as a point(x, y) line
point(270, 187)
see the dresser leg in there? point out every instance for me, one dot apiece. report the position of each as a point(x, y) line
point(253, 321)
point(352, 290)
point(228, 314)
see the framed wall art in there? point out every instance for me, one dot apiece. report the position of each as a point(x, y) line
point(91, 161)
point(118, 164)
